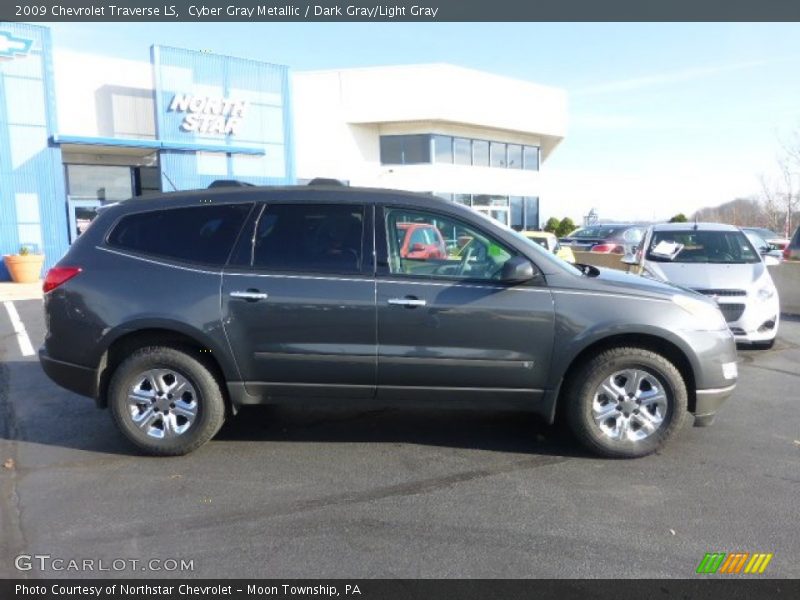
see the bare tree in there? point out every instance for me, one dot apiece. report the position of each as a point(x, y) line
point(771, 203)
point(789, 170)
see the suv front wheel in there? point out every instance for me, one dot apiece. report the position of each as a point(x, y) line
point(165, 401)
point(626, 402)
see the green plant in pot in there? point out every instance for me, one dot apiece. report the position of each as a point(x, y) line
point(25, 266)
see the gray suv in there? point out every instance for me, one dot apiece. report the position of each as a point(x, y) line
point(176, 311)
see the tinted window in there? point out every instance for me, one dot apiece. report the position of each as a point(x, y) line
point(199, 234)
point(310, 238)
point(405, 149)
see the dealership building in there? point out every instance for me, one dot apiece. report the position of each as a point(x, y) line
point(78, 131)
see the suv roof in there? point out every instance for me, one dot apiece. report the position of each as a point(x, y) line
point(237, 193)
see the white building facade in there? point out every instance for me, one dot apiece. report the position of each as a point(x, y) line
point(471, 137)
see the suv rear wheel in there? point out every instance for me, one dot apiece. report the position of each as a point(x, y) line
point(626, 402)
point(165, 401)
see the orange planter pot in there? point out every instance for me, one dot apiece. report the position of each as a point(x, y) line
point(24, 268)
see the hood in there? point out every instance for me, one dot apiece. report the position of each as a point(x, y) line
point(704, 276)
point(620, 282)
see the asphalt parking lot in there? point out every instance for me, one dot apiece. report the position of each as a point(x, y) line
point(313, 492)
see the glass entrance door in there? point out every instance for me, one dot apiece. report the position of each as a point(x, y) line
point(81, 214)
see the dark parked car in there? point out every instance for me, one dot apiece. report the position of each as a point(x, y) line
point(606, 238)
point(176, 311)
point(792, 250)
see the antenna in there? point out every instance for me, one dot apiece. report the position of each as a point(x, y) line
point(174, 189)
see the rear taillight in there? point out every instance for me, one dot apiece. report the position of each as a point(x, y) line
point(786, 253)
point(608, 248)
point(58, 275)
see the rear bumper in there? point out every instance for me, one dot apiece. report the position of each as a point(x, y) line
point(76, 378)
point(708, 403)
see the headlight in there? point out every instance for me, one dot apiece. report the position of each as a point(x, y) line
point(708, 314)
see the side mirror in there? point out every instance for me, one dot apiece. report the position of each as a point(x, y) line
point(517, 270)
point(629, 259)
point(417, 247)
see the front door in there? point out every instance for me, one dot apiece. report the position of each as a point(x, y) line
point(298, 302)
point(448, 323)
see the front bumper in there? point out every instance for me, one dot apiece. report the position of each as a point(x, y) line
point(708, 403)
point(758, 322)
point(76, 378)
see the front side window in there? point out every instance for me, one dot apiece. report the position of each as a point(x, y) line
point(311, 238)
point(450, 248)
point(197, 234)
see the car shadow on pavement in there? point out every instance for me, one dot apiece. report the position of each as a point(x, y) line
point(501, 431)
point(35, 410)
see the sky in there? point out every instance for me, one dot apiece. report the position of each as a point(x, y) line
point(663, 118)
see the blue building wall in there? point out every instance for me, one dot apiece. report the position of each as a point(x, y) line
point(265, 125)
point(32, 196)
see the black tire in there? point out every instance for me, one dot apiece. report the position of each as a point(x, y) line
point(210, 412)
point(584, 384)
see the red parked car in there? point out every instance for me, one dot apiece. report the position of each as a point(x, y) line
point(420, 241)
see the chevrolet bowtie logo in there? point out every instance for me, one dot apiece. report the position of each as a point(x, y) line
point(11, 46)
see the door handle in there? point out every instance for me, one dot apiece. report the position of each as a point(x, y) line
point(407, 302)
point(249, 295)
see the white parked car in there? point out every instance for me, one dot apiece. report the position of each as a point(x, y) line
point(721, 262)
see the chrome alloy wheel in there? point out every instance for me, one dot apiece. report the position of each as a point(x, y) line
point(630, 405)
point(163, 403)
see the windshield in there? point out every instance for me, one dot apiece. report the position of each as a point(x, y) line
point(718, 247)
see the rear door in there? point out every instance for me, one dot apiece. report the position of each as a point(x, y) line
point(449, 324)
point(298, 301)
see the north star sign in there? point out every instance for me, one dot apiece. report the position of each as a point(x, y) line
point(205, 114)
point(11, 46)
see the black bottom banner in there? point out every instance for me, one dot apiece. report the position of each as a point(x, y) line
point(402, 589)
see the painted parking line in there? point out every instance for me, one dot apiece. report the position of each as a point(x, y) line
point(25, 346)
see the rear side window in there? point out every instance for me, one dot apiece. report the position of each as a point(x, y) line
point(313, 238)
point(198, 234)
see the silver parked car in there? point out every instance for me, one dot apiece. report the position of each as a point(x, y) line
point(718, 261)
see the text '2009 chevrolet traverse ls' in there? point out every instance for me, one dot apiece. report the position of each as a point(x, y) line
point(175, 311)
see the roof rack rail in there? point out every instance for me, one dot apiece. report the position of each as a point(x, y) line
point(325, 181)
point(218, 183)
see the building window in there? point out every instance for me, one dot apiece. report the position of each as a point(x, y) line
point(517, 213)
point(405, 149)
point(444, 149)
point(497, 152)
point(480, 153)
point(530, 158)
point(514, 156)
point(462, 149)
point(99, 182)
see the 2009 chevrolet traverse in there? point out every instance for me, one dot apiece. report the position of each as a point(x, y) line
point(175, 311)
